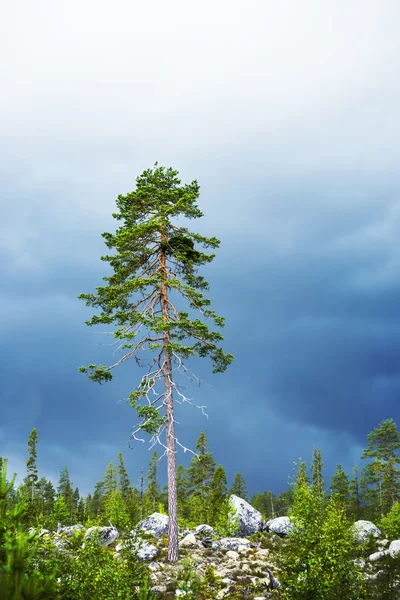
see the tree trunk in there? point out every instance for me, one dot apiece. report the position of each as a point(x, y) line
point(173, 548)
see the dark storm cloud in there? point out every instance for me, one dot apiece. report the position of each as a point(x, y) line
point(287, 116)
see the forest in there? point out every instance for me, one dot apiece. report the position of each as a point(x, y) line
point(370, 493)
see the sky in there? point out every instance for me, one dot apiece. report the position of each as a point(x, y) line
point(288, 115)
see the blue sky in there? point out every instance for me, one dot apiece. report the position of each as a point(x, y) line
point(288, 116)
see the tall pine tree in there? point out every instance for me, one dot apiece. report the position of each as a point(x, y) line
point(154, 259)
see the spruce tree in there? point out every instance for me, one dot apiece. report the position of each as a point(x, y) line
point(201, 470)
point(66, 490)
point(154, 259)
point(123, 483)
point(152, 494)
point(340, 485)
point(61, 512)
point(110, 479)
point(32, 472)
point(239, 487)
point(182, 490)
point(265, 503)
point(218, 494)
point(317, 477)
point(355, 502)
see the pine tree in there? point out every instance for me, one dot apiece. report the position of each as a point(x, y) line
point(383, 442)
point(124, 483)
point(340, 486)
point(61, 512)
point(66, 490)
point(355, 502)
point(201, 470)
point(152, 495)
point(32, 472)
point(97, 501)
point(80, 513)
point(317, 477)
point(381, 478)
point(239, 487)
point(182, 489)
point(154, 257)
point(218, 494)
point(266, 503)
point(110, 479)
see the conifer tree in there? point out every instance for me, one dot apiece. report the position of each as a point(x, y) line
point(239, 487)
point(265, 503)
point(317, 477)
point(156, 258)
point(152, 494)
point(218, 494)
point(383, 442)
point(355, 502)
point(340, 486)
point(182, 489)
point(32, 472)
point(80, 513)
point(97, 500)
point(124, 483)
point(110, 479)
point(61, 512)
point(201, 470)
point(65, 488)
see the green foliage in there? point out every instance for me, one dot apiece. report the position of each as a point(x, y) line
point(390, 523)
point(239, 487)
point(16, 582)
point(61, 513)
point(317, 561)
point(380, 479)
point(200, 477)
point(188, 581)
point(228, 521)
point(146, 236)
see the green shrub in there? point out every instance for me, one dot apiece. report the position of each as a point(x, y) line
point(390, 524)
point(16, 583)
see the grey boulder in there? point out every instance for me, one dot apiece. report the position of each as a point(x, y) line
point(279, 525)
point(106, 535)
point(364, 529)
point(249, 519)
point(156, 524)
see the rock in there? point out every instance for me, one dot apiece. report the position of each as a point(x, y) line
point(378, 555)
point(364, 529)
point(106, 535)
point(394, 548)
point(70, 529)
point(233, 543)
point(203, 530)
point(142, 549)
point(274, 583)
point(156, 524)
point(40, 532)
point(189, 541)
point(279, 525)
point(232, 554)
point(250, 519)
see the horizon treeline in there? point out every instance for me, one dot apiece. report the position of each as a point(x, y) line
point(202, 488)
